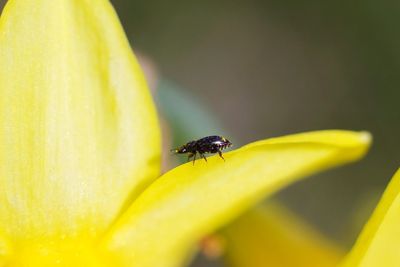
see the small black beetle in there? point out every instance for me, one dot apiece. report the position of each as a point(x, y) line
point(208, 144)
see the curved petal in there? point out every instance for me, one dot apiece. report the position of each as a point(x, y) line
point(270, 235)
point(379, 242)
point(190, 201)
point(78, 130)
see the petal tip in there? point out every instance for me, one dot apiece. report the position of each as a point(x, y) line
point(365, 137)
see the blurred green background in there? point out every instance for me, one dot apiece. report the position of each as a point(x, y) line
point(257, 69)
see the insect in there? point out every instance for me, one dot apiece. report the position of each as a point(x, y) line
point(208, 144)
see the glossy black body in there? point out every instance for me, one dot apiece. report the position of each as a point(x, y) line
point(208, 144)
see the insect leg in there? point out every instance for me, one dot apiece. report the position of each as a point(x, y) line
point(220, 154)
point(190, 155)
point(204, 157)
point(194, 159)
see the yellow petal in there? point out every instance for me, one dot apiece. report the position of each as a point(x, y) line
point(78, 131)
point(191, 201)
point(272, 236)
point(379, 242)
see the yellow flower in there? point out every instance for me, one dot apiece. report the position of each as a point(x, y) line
point(80, 150)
